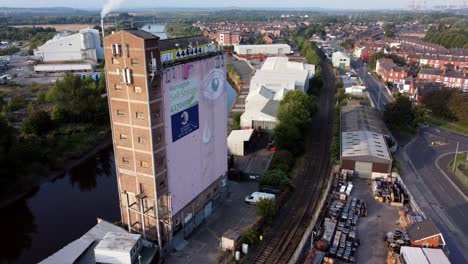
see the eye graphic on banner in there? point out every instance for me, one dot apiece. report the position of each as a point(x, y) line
point(213, 85)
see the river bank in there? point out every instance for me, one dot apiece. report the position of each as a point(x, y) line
point(52, 175)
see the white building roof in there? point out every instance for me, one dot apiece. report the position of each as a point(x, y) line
point(414, 255)
point(118, 242)
point(63, 67)
point(277, 76)
point(264, 45)
point(240, 135)
point(364, 143)
point(340, 54)
point(75, 249)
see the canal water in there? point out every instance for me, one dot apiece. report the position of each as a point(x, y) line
point(62, 210)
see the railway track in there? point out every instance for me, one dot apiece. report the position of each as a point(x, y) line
point(292, 221)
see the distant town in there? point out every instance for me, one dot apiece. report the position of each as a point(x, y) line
point(234, 135)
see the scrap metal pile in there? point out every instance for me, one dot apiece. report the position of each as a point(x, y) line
point(337, 236)
point(388, 190)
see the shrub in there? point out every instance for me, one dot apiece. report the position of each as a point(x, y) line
point(276, 178)
point(266, 208)
point(250, 235)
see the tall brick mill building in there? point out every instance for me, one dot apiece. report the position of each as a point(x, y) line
point(167, 104)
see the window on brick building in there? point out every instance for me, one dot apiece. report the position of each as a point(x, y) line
point(135, 62)
point(123, 136)
point(116, 49)
point(118, 87)
point(127, 50)
point(144, 164)
point(137, 89)
point(141, 140)
point(120, 112)
point(125, 160)
point(140, 115)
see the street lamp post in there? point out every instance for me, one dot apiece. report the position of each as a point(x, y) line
point(455, 160)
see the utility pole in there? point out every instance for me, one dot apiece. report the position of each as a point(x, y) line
point(455, 160)
point(378, 100)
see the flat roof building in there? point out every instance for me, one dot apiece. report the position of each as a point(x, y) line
point(82, 46)
point(266, 49)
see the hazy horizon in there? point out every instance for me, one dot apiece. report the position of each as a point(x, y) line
point(257, 4)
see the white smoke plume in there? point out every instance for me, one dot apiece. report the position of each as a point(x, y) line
point(111, 5)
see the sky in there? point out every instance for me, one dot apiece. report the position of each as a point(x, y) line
point(96, 4)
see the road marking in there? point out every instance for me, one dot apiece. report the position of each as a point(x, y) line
point(446, 176)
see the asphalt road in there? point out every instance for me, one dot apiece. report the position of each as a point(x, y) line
point(375, 88)
point(447, 202)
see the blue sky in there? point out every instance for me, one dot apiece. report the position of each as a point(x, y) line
point(96, 4)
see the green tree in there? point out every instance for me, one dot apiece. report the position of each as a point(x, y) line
point(37, 123)
point(276, 178)
point(288, 137)
point(297, 109)
point(400, 114)
point(437, 102)
point(283, 157)
point(458, 106)
point(266, 208)
point(77, 101)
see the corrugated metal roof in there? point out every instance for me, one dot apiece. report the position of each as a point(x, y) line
point(364, 144)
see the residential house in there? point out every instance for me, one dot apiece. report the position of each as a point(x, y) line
point(452, 79)
point(390, 72)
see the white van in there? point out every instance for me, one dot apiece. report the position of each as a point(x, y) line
point(256, 196)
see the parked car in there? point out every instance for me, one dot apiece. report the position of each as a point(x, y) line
point(256, 196)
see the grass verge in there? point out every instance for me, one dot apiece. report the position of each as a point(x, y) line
point(457, 127)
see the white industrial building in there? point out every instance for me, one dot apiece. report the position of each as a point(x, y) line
point(415, 255)
point(267, 49)
point(341, 60)
point(364, 139)
point(105, 243)
point(82, 46)
point(238, 141)
point(277, 76)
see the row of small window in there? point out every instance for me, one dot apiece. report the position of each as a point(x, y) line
point(117, 50)
point(143, 164)
point(134, 62)
point(136, 89)
point(141, 140)
point(138, 115)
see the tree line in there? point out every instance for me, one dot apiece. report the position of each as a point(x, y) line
point(448, 104)
point(21, 34)
point(449, 38)
point(47, 138)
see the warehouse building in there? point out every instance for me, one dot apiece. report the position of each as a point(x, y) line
point(266, 49)
point(82, 46)
point(341, 60)
point(364, 138)
point(277, 76)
